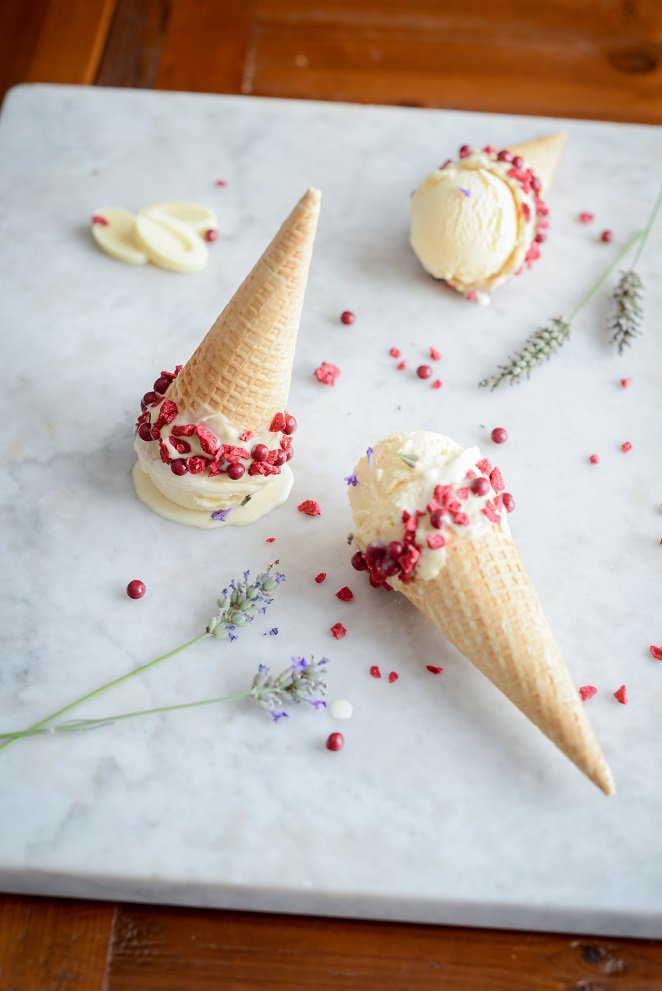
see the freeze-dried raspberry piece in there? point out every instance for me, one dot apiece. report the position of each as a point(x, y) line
point(621, 695)
point(181, 446)
point(234, 454)
point(182, 429)
point(196, 464)
point(435, 541)
point(168, 412)
point(392, 676)
point(656, 652)
point(209, 442)
point(163, 451)
point(433, 669)
point(247, 434)
point(345, 594)
point(215, 468)
point(485, 466)
point(375, 672)
point(327, 373)
point(263, 468)
point(496, 480)
point(338, 631)
point(310, 507)
point(491, 512)
point(277, 423)
point(320, 578)
point(587, 692)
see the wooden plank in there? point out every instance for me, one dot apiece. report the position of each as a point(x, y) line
point(599, 60)
point(70, 41)
point(53, 945)
point(133, 49)
point(158, 949)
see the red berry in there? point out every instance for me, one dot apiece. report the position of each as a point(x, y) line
point(499, 435)
point(359, 562)
point(150, 397)
point(389, 567)
point(536, 184)
point(625, 383)
point(396, 548)
point(289, 453)
point(505, 156)
point(437, 519)
point(424, 371)
point(518, 162)
point(586, 217)
point(145, 431)
point(540, 238)
point(375, 550)
point(607, 236)
point(161, 385)
point(347, 317)
point(465, 151)
point(290, 425)
point(394, 352)
point(260, 452)
point(280, 459)
point(211, 234)
point(236, 471)
point(489, 150)
point(221, 183)
point(626, 446)
point(335, 741)
point(178, 466)
point(480, 486)
point(594, 459)
point(508, 502)
point(136, 589)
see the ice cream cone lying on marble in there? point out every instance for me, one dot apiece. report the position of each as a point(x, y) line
point(478, 221)
point(430, 521)
point(214, 437)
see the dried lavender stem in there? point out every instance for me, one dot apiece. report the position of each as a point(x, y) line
point(648, 228)
point(605, 275)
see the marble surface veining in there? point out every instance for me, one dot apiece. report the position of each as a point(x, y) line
point(445, 804)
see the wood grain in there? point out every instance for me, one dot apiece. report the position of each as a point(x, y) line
point(205, 951)
point(49, 945)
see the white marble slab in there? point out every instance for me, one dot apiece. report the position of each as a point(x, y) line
point(445, 805)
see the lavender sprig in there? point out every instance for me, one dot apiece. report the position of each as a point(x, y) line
point(545, 342)
point(299, 682)
point(238, 604)
point(627, 310)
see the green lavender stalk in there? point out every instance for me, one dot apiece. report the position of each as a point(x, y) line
point(299, 682)
point(627, 298)
point(238, 605)
point(545, 342)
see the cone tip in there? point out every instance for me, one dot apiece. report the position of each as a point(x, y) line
point(311, 198)
point(603, 778)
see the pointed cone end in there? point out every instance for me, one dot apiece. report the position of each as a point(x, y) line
point(542, 155)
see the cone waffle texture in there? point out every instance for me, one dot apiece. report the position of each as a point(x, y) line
point(242, 368)
point(542, 155)
point(484, 603)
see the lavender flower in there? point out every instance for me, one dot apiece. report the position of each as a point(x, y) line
point(242, 601)
point(369, 453)
point(466, 192)
point(298, 683)
point(352, 479)
point(221, 514)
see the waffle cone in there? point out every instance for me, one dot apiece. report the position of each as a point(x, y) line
point(484, 603)
point(542, 155)
point(242, 368)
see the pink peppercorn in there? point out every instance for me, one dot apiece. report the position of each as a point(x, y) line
point(465, 151)
point(607, 236)
point(625, 383)
point(499, 435)
point(480, 486)
point(335, 741)
point(135, 589)
point(395, 352)
point(211, 235)
point(626, 446)
point(594, 459)
point(347, 317)
point(508, 502)
point(586, 217)
point(424, 371)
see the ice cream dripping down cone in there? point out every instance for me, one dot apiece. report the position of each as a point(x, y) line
point(467, 577)
point(214, 437)
point(479, 220)
point(242, 368)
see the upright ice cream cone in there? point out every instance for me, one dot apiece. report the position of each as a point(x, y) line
point(460, 567)
point(542, 155)
point(242, 368)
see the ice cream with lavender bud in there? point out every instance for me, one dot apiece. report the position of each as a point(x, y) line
point(430, 520)
point(214, 438)
point(480, 219)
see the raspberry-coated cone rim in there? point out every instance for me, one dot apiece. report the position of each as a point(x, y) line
point(542, 155)
point(484, 603)
point(242, 368)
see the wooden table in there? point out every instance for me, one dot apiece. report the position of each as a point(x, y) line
point(601, 59)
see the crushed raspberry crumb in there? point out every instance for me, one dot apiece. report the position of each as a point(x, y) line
point(586, 217)
point(437, 384)
point(594, 459)
point(433, 669)
point(587, 692)
point(375, 672)
point(277, 423)
point(435, 541)
point(102, 221)
point(338, 631)
point(345, 594)
point(320, 578)
point(401, 366)
point(395, 352)
point(655, 652)
point(209, 442)
point(246, 436)
point(625, 383)
point(434, 354)
point(626, 446)
point(485, 466)
point(496, 480)
point(310, 507)
point(270, 540)
point(327, 373)
point(392, 676)
point(472, 296)
point(621, 695)
point(221, 183)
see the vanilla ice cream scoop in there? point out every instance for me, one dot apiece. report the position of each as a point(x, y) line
point(478, 221)
point(429, 521)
